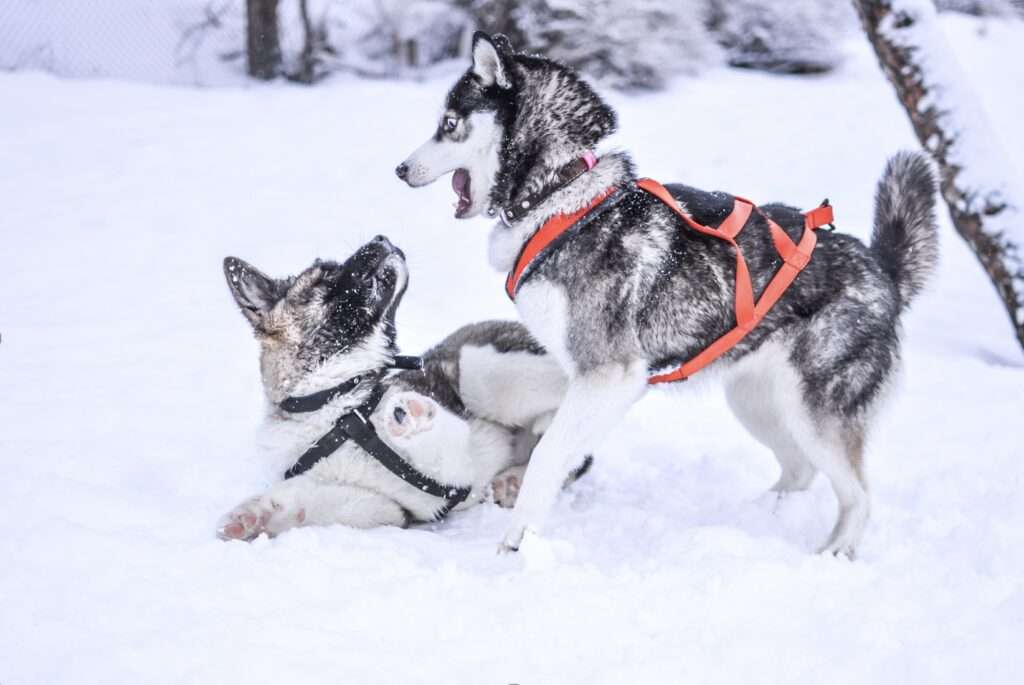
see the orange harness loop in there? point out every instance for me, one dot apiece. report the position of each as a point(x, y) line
point(545, 235)
point(795, 257)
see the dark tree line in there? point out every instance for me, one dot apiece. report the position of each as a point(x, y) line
point(625, 44)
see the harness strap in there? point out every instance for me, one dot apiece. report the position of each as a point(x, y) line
point(749, 313)
point(552, 229)
point(301, 404)
point(795, 257)
point(363, 434)
point(355, 425)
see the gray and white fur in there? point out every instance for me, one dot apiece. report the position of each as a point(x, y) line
point(637, 292)
point(469, 418)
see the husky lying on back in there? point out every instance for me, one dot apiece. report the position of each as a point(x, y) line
point(632, 290)
point(470, 416)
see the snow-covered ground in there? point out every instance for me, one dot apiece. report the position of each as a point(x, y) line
point(130, 394)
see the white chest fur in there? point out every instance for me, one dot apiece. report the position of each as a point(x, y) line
point(544, 308)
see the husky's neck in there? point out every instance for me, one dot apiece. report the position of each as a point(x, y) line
point(551, 118)
point(506, 242)
point(367, 360)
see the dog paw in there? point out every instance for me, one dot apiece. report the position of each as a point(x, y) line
point(505, 486)
point(841, 549)
point(513, 539)
point(409, 413)
point(259, 515)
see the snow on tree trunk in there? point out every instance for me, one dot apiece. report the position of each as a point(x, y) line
point(978, 183)
point(262, 45)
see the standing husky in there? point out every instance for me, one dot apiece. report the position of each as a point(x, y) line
point(436, 437)
point(635, 291)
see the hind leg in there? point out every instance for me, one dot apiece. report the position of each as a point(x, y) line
point(757, 402)
point(766, 394)
point(837, 450)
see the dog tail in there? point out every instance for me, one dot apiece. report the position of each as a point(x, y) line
point(905, 239)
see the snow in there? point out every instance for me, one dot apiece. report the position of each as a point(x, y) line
point(146, 40)
point(131, 397)
point(986, 176)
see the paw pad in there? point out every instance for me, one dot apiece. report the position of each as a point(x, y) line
point(410, 413)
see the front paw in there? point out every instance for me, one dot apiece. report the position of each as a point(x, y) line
point(408, 414)
point(259, 515)
point(513, 540)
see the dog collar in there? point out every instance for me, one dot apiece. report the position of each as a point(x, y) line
point(566, 175)
point(355, 426)
point(303, 404)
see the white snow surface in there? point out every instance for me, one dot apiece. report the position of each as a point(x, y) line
point(130, 396)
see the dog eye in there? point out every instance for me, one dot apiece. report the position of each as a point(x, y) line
point(449, 124)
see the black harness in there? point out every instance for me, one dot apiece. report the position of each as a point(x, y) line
point(355, 426)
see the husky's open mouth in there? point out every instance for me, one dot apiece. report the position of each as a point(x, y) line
point(461, 186)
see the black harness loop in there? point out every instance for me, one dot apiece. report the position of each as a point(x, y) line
point(355, 426)
point(304, 404)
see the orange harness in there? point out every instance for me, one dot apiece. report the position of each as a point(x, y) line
point(795, 257)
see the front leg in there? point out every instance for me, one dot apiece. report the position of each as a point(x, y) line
point(594, 403)
point(307, 501)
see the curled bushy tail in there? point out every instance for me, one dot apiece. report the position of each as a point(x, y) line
point(905, 239)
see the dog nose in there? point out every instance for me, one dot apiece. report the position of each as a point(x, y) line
point(383, 240)
point(402, 170)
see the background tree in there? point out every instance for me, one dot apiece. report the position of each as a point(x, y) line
point(262, 43)
point(977, 181)
point(792, 37)
point(634, 45)
point(496, 16)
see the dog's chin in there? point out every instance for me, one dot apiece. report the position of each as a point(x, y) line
point(400, 270)
point(476, 206)
point(470, 211)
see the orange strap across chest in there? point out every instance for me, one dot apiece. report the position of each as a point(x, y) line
point(795, 256)
point(545, 235)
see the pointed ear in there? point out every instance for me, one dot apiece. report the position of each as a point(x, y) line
point(489, 64)
point(255, 292)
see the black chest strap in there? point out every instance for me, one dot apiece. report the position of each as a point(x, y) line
point(355, 426)
point(302, 404)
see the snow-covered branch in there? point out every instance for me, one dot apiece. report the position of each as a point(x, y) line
point(978, 182)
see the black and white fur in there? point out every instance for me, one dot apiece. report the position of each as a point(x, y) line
point(469, 418)
point(637, 292)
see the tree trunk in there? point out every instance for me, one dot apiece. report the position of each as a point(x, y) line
point(262, 46)
point(307, 59)
point(976, 179)
point(497, 16)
